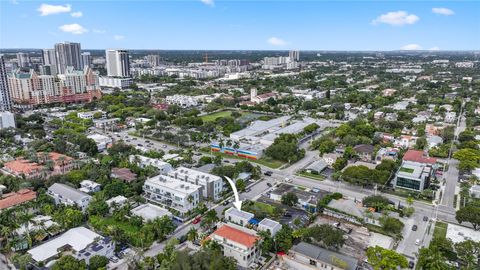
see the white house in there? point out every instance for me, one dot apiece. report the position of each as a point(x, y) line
point(63, 194)
point(142, 162)
point(89, 186)
point(238, 216)
point(102, 141)
point(269, 225)
point(79, 242)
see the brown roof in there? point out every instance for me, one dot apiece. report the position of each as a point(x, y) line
point(15, 198)
point(124, 174)
point(364, 148)
point(236, 235)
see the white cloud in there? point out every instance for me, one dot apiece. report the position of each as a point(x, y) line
point(73, 28)
point(411, 47)
point(99, 31)
point(46, 9)
point(434, 49)
point(208, 2)
point(276, 41)
point(443, 11)
point(396, 18)
point(118, 37)
point(77, 14)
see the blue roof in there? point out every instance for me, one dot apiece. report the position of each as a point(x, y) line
point(253, 221)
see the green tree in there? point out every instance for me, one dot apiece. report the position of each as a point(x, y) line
point(290, 199)
point(97, 262)
point(391, 224)
point(469, 158)
point(470, 213)
point(68, 262)
point(385, 259)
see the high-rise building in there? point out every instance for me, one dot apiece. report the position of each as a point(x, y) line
point(68, 55)
point(5, 101)
point(86, 59)
point(49, 62)
point(153, 60)
point(118, 64)
point(294, 55)
point(23, 60)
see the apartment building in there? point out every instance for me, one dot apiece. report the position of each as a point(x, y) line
point(142, 162)
point(63, 194)
point(238, 242)
point(182, 101)
point(211, 185)
point(172, 193)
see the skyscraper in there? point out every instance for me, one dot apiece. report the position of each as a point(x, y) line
point(5, 101)
point(86, 59)
point(68, 55)
point(153, 60)
point(294, 55)
point(49, 61)
point(23, 60)
point(118, 64)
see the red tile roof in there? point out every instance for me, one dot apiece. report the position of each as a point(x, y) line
point(15, 198)
point(123, 174)
point(418, 156)
point(20, 166)
point(236, 235)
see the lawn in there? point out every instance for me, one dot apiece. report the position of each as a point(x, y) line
point(406, 170)
point(312, 176)
point(440, 230)
point(261, 210)
point(215, 115)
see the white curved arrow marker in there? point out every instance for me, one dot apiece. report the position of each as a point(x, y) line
point(237, 203)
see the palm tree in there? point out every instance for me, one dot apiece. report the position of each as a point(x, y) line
point(192, 234)
point(236, 145)
point(5, 232)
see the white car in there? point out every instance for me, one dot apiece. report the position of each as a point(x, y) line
point(418, 242)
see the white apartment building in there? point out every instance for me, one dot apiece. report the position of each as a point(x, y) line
point(102, 141)
point(211, 185)
point(238, 242)
point(89, 115)
point(63, 194)
point(118, 63)
point(83, 244)
point(172, 193)
point(182, 101)
point(7, 120)
point(113, 82)
point(142, 162)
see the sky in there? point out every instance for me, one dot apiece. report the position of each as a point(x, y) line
point(242, 25)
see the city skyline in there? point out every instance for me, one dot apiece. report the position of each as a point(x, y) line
point(232, 25)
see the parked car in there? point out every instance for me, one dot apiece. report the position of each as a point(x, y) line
point(226, 202)
point(268, 173)
point(197, 220)
point(418, 242)
point(411, 264)
point(414, 227)
point(425, 218)
point(269, 185)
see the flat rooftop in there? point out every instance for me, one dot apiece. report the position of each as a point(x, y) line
point(458, 233)
point(233, 211)
point(173, 184)
point(150, 211)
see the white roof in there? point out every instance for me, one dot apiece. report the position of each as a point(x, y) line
point(78, 238)
point(458, 233)
point(150, 211)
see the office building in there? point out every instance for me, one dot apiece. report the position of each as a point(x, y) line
point(5, 100)
point(114, 82)
point(416, 172)
point(86, 59)
point(23, 60)
point(306, 256)
point(66, 195)
point(68, 55)
point(181, 100)
point(118, 64)
point(172, 193)
point(211, 185)
point(238, 242)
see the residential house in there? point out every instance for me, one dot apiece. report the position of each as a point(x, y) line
point(330, 158)
point(12, 199)
point(269, 225)
point(142, 162)
point(239, 217)
point(67, 195)
point(80, 242)
point(123, 174)
point(364, 152)
point(305, 256)
point(238, 242)
point(89, 186)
